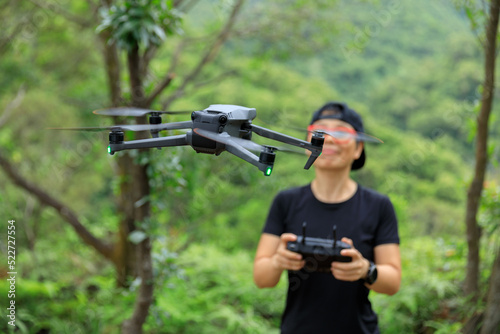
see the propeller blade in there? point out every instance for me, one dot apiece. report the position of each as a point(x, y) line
point(134, 127)
point(134, 112)
point(359, 136)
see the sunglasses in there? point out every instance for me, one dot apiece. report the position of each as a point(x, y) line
point(342, 135)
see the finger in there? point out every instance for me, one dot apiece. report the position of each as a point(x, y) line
point(295, 265)
point(290, 264)
point(344, 266)
point(348, 241)
point(285, 237)
point(353, 253)
point(289, 254)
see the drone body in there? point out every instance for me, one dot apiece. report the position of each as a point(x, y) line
point(218, 128)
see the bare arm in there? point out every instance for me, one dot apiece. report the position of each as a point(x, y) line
point(272, 258)
point(388, 261)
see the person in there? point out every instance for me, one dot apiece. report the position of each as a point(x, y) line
point(335, 301)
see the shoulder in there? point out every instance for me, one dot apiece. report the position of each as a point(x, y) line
point(294, 192)
point(372, 195)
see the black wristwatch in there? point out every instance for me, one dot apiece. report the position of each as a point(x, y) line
point(371, 275)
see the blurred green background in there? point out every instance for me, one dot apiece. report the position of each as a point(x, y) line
point(412, 69)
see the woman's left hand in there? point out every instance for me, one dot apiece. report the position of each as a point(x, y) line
point(350, 271)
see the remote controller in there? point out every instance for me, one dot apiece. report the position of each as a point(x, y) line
point(319, 253)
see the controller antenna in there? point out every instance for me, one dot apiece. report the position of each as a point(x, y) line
point(334, 236)
point(304, 224)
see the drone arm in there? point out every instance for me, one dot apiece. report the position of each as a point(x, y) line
point(283, 138)
point(314, 149)
point(178, 140)
point(246, 155)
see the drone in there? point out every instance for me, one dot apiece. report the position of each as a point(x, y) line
point(218, 128)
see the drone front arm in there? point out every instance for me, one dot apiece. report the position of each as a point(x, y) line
point(314, 149)
point(179, 140)
point(283, 138)
point(248, 156)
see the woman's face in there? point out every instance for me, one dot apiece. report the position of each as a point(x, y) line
point(339, 152)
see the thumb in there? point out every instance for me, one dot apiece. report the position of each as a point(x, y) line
point(285, 237)
point(348, 241)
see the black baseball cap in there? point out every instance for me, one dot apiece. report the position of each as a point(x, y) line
point(346, 114)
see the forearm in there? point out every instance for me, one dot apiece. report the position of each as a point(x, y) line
point(265, 274)
point(388, 280)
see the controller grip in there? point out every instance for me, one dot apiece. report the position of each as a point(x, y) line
point(319, 253)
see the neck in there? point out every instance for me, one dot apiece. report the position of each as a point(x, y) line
point(333, 186)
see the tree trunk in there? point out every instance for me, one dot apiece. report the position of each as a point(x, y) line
point(135, 204)
point(492, 314)
point(471, 286)
point(144, 298)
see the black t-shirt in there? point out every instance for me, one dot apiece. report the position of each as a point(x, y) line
point(317, 302)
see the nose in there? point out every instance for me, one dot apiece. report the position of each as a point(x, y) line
point(330, 140)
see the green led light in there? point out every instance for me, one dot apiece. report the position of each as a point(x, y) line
point(109, 149)
point(269, 170)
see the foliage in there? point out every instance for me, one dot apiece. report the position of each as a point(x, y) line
point(140, 22)
point(430, 288)
point(217, 294)
point(489, 215)
point(414, 78)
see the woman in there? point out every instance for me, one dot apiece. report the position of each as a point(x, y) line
point(336, 301)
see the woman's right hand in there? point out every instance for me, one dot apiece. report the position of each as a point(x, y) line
point(284, 259)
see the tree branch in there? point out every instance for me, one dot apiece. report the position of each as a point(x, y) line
point(66, 213)
point(64, 13)
point(217, 78)
point(158, 89)
point(12, 105)
point(209, 55)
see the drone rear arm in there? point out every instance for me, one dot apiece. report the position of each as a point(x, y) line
point(178, 140)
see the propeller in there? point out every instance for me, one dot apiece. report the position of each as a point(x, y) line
point(134, 112)
point(134, 127)
point(342, 135)
point(227, 139)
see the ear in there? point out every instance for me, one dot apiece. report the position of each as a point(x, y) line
point(359, 148)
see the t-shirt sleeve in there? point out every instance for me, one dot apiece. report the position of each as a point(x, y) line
point(387, 231)
point(275, 222)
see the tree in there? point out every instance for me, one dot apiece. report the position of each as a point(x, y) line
point(137, 28)
point(481, 157)
point(131, 33)
point(471, 286)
